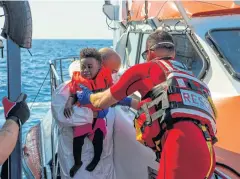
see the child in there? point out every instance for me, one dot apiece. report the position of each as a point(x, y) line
point(96, 78)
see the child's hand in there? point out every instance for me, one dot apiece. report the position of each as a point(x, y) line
point(68, 109)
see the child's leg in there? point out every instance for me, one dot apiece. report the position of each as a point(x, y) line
point(98, 148)
point(77, 153)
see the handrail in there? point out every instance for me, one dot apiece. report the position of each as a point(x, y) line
point(55, 77)
point(65, 58)
point(55, 74)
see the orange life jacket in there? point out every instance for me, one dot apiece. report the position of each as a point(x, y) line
point(102, 81)
point(181, 96)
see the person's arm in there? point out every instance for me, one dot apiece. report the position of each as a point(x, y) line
point(130, 102)
point(68, 109)
point(8, 139)
point(129, 82)
point(16, 114)
point(73, 87)
point(103, 99)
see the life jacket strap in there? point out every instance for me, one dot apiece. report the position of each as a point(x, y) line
point(160, 100)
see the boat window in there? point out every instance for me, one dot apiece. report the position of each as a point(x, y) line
point(226, 42)
point(187, 54)
point(143, 47)
point(132, 48)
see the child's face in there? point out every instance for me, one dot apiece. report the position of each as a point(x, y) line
point(89, 67)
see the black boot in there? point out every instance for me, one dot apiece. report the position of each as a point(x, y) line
point(77, 153)
point(98, 148)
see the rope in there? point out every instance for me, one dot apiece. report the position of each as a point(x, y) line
point(161, 9)
point(29, 52)
point(40, 89)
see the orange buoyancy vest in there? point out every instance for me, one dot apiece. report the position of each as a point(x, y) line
point(181, 96)
point(102, 81)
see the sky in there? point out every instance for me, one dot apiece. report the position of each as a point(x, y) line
point(69, 20)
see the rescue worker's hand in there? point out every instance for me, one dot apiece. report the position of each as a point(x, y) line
point(102, 114)
point(84, 95)
point(18, 110)
point(126, 102)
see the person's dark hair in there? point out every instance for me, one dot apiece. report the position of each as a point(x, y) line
point(161, 36)
point(91, 52)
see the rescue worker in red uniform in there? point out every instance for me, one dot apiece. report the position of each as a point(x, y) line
point(176, 115)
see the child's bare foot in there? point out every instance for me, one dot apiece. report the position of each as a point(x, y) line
point(92, 165)
point(74, 169)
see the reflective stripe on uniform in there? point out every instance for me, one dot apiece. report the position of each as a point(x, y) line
point(167, 66)
point(198, 113)
point(178, 68)
point(176, 74)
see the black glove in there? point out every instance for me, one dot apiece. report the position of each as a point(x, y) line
point(17, 111)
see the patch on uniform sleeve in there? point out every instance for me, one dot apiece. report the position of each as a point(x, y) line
point(152, 174)
point(181, 82)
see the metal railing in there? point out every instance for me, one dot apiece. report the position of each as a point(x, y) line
point(58, 68)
